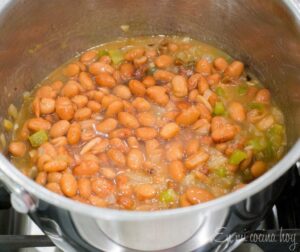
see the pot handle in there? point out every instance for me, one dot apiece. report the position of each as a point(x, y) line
point(20, 199)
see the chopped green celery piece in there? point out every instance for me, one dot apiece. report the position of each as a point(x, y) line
point(116, 56)
point(257, 144)
point(242, 90)
point(221, 172)
point(269, 152)
point(256, 105)
point(237, 156)
point(275, 135)
point(219, 108)
point(103, 53)
point(38, 138)
point(167, 196)
point(220, 91)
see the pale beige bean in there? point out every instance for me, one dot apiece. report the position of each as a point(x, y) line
point(74, 133)
point(122, 91)
point(68, 184)
point(59, 128)
point(64, 108)
point(36, 124)
point(17, 148)
point(128, 120)
point(179, 86)
point(135, 159)
point(47, 106)
point(137, 88)
point(169, 131)
point(107, 125)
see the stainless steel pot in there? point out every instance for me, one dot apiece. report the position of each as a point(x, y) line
point(38, 36)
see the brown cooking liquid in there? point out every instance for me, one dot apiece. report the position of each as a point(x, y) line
point(204, 130)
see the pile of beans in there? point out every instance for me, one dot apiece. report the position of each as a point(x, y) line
point(138, 127)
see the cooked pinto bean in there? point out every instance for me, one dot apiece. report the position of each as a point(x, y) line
point(64, 108)
point(68, 185)
point(17, 149)
point(258, 168)
point(36, 124)
point(235, 69)
point(102, 187)
point(107, 125)
point(220, 64)
point(84, 187)
point(145, 191)
point(169, 131)
point(146, 119)
point(59, 128)
point(263, 96)
point(176, 170)
point(141, 104)
point(158, 95)
point(114, 108)
point(137, 88)
point(237, 111)
point(197, 195)
point(146, 133)
point(47, 106)
point(70, 89)
point(100, 67)
point(195, 159)
point(203, 67)
point(128, 120)
point(179, 86)
point(116, 156)
point(174, 151)
point(105, 80)
point(71, 70)
point(74, 133)
point(122, 91)
point(163, 61)
point(188, 116)
point(135, 159)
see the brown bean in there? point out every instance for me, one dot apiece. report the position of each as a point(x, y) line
point(88, 57)
point(193, 81)
point(163, 61)
point(41, 178)
point(202, 127)
point(94, 106)
point(237, 111)
point(265, 123)
point(48, 148)
point(188, 116)
point(54, 187)
point(146, 119)
point(135, 159)
point(68, 184)
point(214, 79)
point(57, 86)
point(86, 81)
point(108, 173)
point(114, 108)
point(117, 157)
point(169, 131)
point(134, 53)
point(158, 95)
point(220, 64)
point(174, 151)
point(45, 92)
point(137, 88)
point(192, 146)
point(96, 95)
point(36, 124)
point(121, 133)
point(102, 187)
point(96, 201)
point(105, 80)
point(196, 195)
point(97, 68)
point(141, 105)
point(203, 67)
point(222, 131)
point(235, 69)
point(133, 142)
point(82, 114)
point(196, 159)
point(47, 106)
point(54, 177)
point(84, 187)
point(55, 166)
point(163, 75)
point(107, 100)
point(71, 70)
point(105, 59)
point(145, 133)
point(64, 108)
point(107, 125)
point(258, 168)
point(59, 128)
point(205, 113)
point(17, 148)
point(70, 89)
point(263, 96)
point(179, 86)
point(122, 91)
point(128, 120)
point(74, 133)
point(86, 168)
point(176, 170)
point(80, 100)
point(125, 202)
point(126, 71)
point(145, 191)
point(138, 62)
point(202, 85)
point(148, 81)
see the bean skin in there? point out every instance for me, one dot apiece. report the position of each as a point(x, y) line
point(105, 80)
point(82, 114)
point(203, 67)
point(145, 191)
point(102, 187)
point(235, 69)
point(141, 105)
point(86, 81)
point(64, 108)
point(17, 148)
point(47, 106)
point(97, 68)
point(237, 111)
point(94, 106)
point(179, 86)
point(71, 70)
point(84, 187)
point(163, 61)
point(36, 124)
point(197, 195)
point(196, 159)
point(134, 53)
point(68, 185)
point(169, 131)
point(88, 57)
point(146, 133)
point(70, 89)
point(176, 170)
point(122, 91)
point(220, 64)
point(128, 120)
point(59, 128)
point(146, 119)
point(188, 116)
point(107, 125)
point(263, 96)
point(135, 159)
point(158, 95)
point(114, 108)
point(86, 168)
point(117, 157)
point(137, 88)
point(74, 133)
point(55, 166)
point(258, 168)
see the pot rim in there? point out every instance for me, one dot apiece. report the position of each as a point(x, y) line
point(124, 215)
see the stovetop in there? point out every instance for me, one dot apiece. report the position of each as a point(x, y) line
point(282, 223)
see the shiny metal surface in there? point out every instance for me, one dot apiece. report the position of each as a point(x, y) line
point(36, 38)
